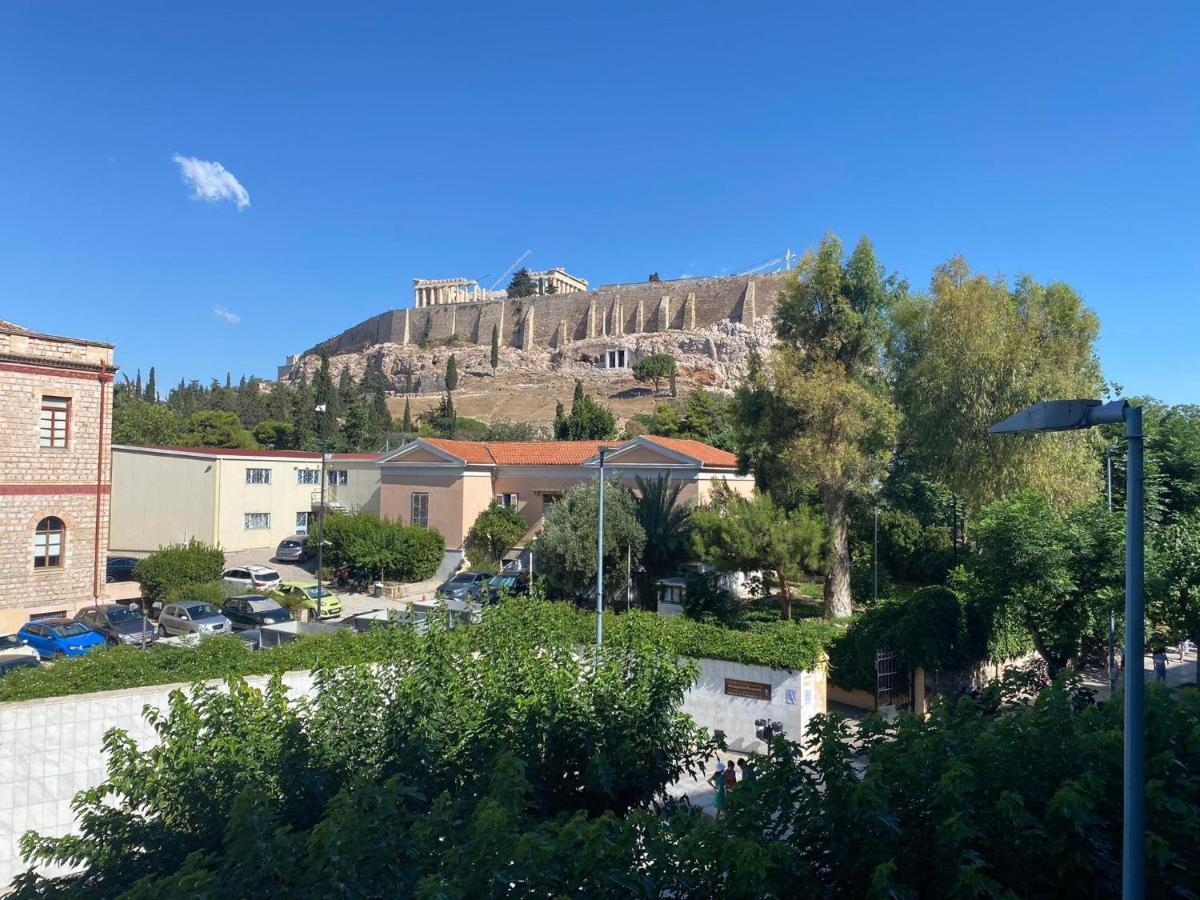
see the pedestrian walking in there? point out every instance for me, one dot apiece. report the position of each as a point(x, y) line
point(1160, 664)
point(717, 780)
point(749, 776)
point(730, 776)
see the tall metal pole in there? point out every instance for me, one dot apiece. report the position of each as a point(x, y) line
point(321, 533)
point(600, 560)
point(1112, 614)
point(876, 554)
point(1134, 839)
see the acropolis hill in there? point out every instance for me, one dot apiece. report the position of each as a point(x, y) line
point(709, 324)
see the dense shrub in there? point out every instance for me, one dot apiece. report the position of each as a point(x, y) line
point(496, 530)
point(177, 566)
point(369, 547)
point(213, 592)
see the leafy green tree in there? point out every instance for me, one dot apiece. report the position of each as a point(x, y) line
point(515, 431)
point(371, 548)
point(522, 285)
point(147, 424)
point(178, 566)
point(407, 422)
point(151, 394)
point(214, 428)
point(347, 389)
point(655, 368)
point(496, 531)
point(325, 394)
point(566, 549)
point(276, 435)
point(1173, 579)
point(451, 373)
point(735, 534)
point(973, 351)
point(495, 354)
point(705, 600)
point(702, 415)
point(824, 418)
point(358, 427)
point(441, 420)
point(304, 415)
point(588, 421)
point(667, 525)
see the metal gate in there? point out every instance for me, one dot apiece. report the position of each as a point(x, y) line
point(891, 681)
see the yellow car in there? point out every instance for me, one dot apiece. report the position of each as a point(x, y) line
point(331, 604)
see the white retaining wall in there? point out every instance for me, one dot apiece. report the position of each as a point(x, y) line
point(51, 749)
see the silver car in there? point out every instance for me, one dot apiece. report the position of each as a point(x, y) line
point(293, 549)
point(192, 617)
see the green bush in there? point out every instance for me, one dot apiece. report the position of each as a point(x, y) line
point(782, 645)
point(175, 566)
point(213, 592)
point(369, 548)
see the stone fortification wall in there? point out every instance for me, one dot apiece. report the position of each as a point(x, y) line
point(554, 320)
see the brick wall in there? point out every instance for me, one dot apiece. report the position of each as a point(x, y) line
point(36, 482)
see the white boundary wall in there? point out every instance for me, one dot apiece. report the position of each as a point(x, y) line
point(51, 749)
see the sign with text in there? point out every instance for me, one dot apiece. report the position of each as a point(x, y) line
point(755, 690)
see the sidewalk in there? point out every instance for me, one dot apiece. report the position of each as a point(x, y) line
point(353, 604)
point(1178, 673)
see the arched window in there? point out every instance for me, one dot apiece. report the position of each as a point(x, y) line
point(48, 543)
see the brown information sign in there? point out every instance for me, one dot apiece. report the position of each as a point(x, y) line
point(755, 690)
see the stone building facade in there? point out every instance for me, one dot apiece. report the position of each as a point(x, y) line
point(55, 472)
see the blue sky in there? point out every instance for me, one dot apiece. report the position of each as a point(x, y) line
point(381, 144)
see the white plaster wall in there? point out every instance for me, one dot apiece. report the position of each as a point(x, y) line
point(52, 749)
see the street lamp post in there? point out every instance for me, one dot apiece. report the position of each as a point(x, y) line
point(321, 522)
point(875, 554)
point(600, 559)
point(1073, 415)
point(1112, 614)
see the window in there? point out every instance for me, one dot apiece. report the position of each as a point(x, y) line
point(508, 499)
point(615, 359)
point(256, 521)
point(548, 501)
point(258, 476)
point(56, 416)
point(420, 510)
point(48, 543)
point(308, 476)
point(337, 477)
point(302, 520)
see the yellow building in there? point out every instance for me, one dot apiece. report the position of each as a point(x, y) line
point(236, 499)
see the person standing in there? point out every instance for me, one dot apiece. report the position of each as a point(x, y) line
point(1160, 665)
point(717, 780)
point(748, 774)
point(730, 776)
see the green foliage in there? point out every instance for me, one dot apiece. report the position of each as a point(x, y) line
point(655, 367)
point(494, 356)
point(371, 548)
point(522, 285)
point(666, 524)
point(515, 431)
point(824, 417)
point(973, 351)
point(325, 394)
point(734, 534)
point(702, 415)
point(588, 421)
point(177, 565)
point(213, 592)
point(451, 373)
point(441, 420)
point(215, 428)
point(566, 549)
point(496, 530)
point(146, 424)
point(1173, 578)
point(705, 600)
point(275, 435)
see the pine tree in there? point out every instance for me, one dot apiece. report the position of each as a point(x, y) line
point(408, 422)
point(560, 417)
point(137, 385)
point(451, 373)
point(522, 284)
point(228, 380)
point(408, 380)
point(151, 394)
point(303, 414)
point(578, 395)
point(495, 348)
point(673, 392)
point(325, 394)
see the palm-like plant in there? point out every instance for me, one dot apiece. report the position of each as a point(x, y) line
point(667, 524)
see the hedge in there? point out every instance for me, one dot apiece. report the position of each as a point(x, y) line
point(786, 645)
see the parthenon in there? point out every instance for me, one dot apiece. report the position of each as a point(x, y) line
point(444, 291)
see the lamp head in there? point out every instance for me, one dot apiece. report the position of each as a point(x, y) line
point(1062, 415)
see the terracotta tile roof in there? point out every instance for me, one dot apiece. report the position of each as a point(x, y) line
point(467, 451)
point(546, 453)
point(707, 454)
point(265, 454)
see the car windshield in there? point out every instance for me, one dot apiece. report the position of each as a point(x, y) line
point(122, 614)
point(266, 576)
point(9, 641)
point(503, 581)
point(201, 611)
point(263, 605)
point(315, 593)
point(289, 545)
point(72, 629)
point(463, 579)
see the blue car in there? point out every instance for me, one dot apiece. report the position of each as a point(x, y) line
point(53, 638)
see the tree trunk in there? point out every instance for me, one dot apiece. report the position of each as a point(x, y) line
point(837, 585)
point(785, 597)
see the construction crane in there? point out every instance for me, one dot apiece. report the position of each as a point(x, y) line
point(785, 260)
point(520, 259)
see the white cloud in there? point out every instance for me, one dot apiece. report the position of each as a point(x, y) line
point(211, 181)
point(231, 318)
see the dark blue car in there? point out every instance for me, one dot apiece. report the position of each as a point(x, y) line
point(53, 638)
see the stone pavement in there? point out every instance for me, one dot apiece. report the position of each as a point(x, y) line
point(1179, 673)
point(697, 790)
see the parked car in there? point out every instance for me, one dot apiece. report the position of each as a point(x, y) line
point(254, 610)
point(464, 585)
point(293, 549)
point(119, 568)
point(250, 577)
point(513, 582)
point(192, 617)
point(11, 662)
point(58, 637)
point(331, 604)
point(252, 637)
point(11, 645)
point(119, 624)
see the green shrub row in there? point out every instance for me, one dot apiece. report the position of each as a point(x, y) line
point(784, 645)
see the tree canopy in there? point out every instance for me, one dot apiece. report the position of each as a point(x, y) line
point(495, 531)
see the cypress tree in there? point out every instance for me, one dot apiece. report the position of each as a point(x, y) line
point(451, 374)
point(137, 385)
point(495, 348)
point(151, 388)
point(408, 422)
